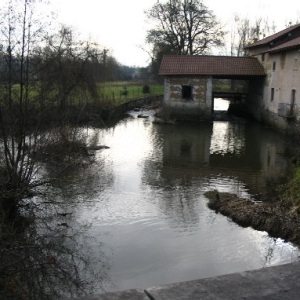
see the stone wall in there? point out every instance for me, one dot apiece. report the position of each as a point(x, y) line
point(290, 126)
point(199, 107)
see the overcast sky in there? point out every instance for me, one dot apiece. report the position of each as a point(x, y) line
point(120, 25)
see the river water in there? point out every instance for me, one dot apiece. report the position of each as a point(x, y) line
point(143, 207)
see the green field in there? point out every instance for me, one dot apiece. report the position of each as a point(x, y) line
point(111, 93)
point(120, 92)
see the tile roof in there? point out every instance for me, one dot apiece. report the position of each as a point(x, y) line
point(294, 43)
point(210, 65)
point(275, 36)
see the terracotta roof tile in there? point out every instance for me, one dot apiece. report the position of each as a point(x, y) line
point(294, 43)
point(274, 36)
point(210, 65)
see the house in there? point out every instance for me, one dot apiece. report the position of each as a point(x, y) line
point(272, 70)
point(279, 54)
point(188, 85)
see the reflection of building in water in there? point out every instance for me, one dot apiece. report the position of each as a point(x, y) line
point(274, 163)
point(239, 152)
point(192, 158)
point(227, 138)
point(187, 146)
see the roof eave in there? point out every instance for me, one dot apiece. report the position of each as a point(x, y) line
point(284, 49)
point(214, 75)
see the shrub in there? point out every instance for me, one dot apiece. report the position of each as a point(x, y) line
point(146, 89)
point(125, 91)
point(292, 190)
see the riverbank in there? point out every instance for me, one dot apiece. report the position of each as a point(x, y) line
point(278, 218)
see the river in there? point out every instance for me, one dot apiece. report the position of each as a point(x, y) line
point(142, 206)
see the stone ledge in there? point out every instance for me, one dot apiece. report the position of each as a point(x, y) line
point(279, 282)
point(123, 295)
point(276, 283)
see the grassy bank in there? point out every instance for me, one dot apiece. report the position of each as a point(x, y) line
point(106, 94)
point(290, 191)
point(78, 105)
point(279, 215)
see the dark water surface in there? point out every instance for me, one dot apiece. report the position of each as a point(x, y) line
point(142, 201)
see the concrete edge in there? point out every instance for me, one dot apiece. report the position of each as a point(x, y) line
point(276, 282)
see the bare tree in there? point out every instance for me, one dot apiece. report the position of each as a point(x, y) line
point(68, 67)
point(186, 27)
point(247, 32)
point(19, 33)
point(38, 73)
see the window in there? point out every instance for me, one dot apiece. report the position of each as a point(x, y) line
point(187, 92)
point(274, 65)
point(296, 64)
point(293, 100)
point(263, 57)
point(272, 94)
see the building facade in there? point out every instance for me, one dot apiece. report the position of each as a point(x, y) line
point(279, 54)
point(188, 86)
point(272, 69)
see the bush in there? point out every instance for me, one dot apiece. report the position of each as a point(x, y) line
point(291, 192)
point(146, 89)
point(125, 91)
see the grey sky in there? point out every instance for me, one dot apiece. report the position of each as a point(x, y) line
point(121, 25)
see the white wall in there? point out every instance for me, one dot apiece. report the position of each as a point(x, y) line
point(283, 79)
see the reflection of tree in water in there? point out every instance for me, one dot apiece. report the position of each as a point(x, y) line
point(81, 178)
point(270, 251)
point(178, 202)
point(79, 183)
point(276, 248)
point(175, 193)
point(178, 154)
point(45, 255)
point(70, 167)
point(44, 260)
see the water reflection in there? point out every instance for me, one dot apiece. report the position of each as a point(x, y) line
point(43, 259)
point(50, 252)
point(228, 138)
point(231, 156)
point(155, 217)
point(143, 199)
point(186, 146)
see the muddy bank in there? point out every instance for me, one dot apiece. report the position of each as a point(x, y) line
point(277, 219)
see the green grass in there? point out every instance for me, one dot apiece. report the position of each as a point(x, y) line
point(120, 92)
point(292, 190)
point(111, 93)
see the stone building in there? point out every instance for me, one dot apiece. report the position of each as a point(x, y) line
point(188, 88)
point(279, 54)
point(272, 70)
